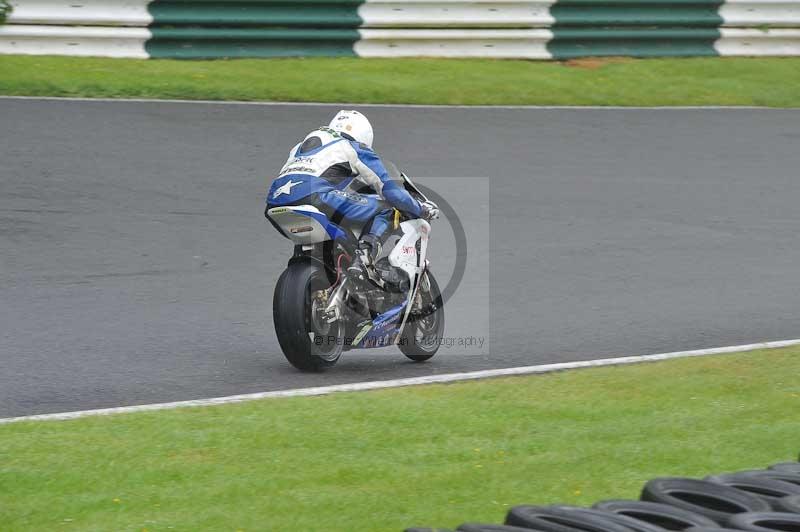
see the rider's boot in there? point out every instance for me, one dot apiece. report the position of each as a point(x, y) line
point(369, 248)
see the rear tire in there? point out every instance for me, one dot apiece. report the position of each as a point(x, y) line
point(788, 504)
point(422, 333)
point(635, 525)
point(765, 521)
point(307, 342)
point(786, 467)
point(767, 488)
point(560, 519)
point(663, 515)
point(715, 501)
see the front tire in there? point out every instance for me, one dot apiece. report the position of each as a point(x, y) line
point(308, 343)
point(422, 334)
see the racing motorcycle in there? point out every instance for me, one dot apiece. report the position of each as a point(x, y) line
point(320, 312)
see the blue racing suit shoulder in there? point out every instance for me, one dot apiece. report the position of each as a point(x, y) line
point(372, 172)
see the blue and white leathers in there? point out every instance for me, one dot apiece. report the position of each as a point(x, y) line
point(325, 170)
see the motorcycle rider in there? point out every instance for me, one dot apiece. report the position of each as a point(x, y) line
point(326, 170)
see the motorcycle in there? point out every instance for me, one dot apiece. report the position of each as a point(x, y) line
point(319, 312)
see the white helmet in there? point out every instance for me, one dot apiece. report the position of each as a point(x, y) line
point(353, 124)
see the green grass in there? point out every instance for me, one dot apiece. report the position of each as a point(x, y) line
point(383, 460)
point(693, 81)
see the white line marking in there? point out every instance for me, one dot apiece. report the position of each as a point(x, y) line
point(395, 383)
point(401, 105)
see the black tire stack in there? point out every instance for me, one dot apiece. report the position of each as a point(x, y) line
point(754, 500)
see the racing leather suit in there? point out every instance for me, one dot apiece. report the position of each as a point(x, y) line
point(326, 169)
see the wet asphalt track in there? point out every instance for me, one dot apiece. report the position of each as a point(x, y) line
point(136, 265)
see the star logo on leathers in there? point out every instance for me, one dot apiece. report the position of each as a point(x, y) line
point(286, 188)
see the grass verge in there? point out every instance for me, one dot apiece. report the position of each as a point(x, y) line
point(627, 82)
point(383, 460)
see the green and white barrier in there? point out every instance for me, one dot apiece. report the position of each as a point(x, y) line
point(559, 29)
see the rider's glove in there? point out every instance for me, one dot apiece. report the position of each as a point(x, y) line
point(430, 211)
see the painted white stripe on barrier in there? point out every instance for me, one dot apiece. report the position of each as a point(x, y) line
point(456, 13)
point(756, 42)
point(759, 13)
point(396, 383)
point(527, 44)
point(73, 40)
point(81, 12)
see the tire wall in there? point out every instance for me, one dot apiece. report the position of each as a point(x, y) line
point(673, 503)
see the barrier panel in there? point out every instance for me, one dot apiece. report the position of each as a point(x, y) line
point(532, 29)
point(69, 40)
point(80, 13)
point(455, 14)
point(504, 44)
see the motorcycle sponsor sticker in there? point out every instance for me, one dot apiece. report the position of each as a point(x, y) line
point(363, 332)
point(356, 198)
point(297, 169)
point(331, 132)
point(301, 229)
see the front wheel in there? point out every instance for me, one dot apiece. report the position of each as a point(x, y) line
point(422, 334)
point(308, 341)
